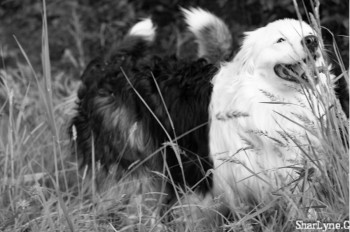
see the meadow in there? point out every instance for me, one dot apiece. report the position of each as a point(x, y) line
point(42, 187)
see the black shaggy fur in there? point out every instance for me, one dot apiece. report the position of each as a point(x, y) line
point(112, 110)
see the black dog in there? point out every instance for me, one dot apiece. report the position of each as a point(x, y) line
point(152, 111)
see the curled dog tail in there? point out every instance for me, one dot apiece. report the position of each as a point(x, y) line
point(144, 29)
point(212, 35)
point(138, 40)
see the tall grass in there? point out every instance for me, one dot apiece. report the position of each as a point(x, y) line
point(42, 188)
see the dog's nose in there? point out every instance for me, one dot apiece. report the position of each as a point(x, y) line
point(311, 42)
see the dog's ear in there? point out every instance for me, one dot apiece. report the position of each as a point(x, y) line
point(244, 60)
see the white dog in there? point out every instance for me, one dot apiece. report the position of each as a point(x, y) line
point(263, 113)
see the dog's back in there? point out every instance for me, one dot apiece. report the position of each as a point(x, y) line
point(127, 52)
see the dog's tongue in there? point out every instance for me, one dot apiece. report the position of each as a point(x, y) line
point(295, 72)
point(290, 72)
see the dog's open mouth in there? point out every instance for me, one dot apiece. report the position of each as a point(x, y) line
point(304, 70)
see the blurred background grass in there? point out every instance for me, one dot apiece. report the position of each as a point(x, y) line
point(79, 29)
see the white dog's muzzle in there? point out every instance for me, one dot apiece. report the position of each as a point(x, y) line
point(304, 69)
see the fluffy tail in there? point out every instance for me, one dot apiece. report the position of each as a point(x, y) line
point(212, 35)
point(144, 29)
point(138, 40)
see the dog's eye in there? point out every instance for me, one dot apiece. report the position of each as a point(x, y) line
point(280, 40)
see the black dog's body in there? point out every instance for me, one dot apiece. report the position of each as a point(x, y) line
point(128, 104)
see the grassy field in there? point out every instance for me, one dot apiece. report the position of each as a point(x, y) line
point(42, 188)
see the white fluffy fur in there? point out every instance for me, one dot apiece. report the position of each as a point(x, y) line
point(251, 143)
point(197, 19)
point(212, 34)
point(144, 28)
